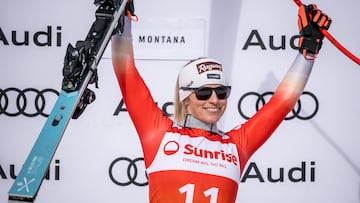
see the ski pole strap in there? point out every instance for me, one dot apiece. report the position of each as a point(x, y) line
point(334, 41)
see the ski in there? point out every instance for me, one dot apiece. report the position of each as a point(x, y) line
point(79, 70)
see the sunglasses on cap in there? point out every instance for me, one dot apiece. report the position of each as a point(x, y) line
point(204, 93)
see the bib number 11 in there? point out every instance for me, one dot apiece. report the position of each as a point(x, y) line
point(189, 189)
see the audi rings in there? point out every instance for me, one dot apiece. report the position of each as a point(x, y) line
point(21, 101)
point(297, 112)
point(132, 172)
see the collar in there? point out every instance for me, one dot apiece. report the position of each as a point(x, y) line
point(192, 122)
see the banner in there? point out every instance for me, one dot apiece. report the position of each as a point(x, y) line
point(312, 157)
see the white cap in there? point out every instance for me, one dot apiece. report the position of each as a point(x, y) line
point(200, 72)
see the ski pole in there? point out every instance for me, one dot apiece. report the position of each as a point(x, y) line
point(334, 41)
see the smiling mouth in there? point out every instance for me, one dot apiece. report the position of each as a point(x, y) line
point(212, 109)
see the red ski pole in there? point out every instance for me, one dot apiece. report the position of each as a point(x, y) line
point(334, 41)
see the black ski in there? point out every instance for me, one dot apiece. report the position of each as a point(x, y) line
point(79, 70)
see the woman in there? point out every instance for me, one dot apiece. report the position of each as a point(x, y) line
point(190, 159)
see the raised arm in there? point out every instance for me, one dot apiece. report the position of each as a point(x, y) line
point(148, 119)
point(258, 129)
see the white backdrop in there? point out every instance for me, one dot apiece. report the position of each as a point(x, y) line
point(318, 156)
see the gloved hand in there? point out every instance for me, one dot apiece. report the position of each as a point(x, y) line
point(310, 19)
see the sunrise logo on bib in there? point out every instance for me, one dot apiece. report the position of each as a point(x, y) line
point(171, 147)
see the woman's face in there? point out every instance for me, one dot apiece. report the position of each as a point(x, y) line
point(208, 111)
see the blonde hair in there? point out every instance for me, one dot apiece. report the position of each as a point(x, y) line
point(179, 113)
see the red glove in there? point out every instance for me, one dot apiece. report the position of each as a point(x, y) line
point(310, 19)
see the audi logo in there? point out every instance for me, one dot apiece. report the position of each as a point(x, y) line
point(15, 102)
point(124, 171)
point(305, 109)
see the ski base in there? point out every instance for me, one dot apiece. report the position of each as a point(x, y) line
point(36, 165)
